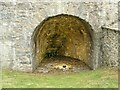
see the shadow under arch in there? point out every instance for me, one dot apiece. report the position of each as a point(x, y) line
point(63, 35)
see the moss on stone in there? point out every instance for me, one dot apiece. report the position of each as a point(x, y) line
point(64, 35)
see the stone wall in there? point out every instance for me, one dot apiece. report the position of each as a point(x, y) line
point(110, 46)
point(18, 21)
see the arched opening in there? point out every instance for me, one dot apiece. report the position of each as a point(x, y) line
point(62, 37)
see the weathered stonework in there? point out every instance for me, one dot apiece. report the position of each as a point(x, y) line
point(110, 46)
point(58, 36)
point(18, 21)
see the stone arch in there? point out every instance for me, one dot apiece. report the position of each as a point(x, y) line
point(64, 35)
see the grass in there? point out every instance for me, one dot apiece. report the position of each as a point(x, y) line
point(100, 78)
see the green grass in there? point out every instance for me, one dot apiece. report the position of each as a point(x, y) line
point(100, 78)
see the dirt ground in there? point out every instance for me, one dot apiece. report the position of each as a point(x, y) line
point(61, 64)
